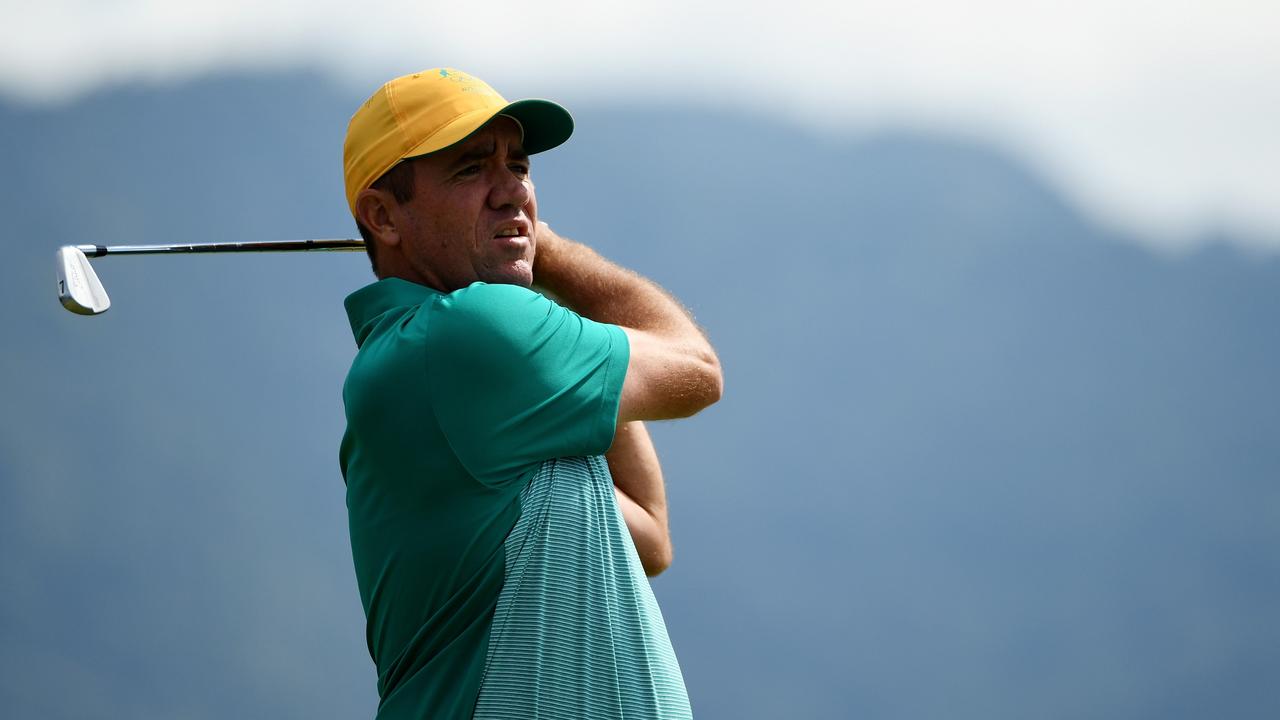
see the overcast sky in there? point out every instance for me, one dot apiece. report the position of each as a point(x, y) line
point(1159, 117)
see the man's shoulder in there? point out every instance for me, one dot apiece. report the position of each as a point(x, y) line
point(487, 313)
point(481, 300)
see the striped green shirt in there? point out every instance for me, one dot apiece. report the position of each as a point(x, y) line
point(495, 569)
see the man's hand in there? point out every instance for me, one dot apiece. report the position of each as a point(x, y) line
point(543, 237)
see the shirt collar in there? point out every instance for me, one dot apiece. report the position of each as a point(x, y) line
point(367, 304)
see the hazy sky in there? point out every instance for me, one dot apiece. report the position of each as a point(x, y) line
point(1156, 116)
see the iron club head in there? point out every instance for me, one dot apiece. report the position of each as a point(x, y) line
point(79, 289)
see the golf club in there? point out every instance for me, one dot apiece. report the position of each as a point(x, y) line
point(82, 293)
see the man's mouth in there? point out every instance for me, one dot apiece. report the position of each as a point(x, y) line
point(514, 233)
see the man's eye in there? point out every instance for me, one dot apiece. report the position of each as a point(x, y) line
point(520, 170)
point(469, 170)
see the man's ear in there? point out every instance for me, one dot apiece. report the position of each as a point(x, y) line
point(375, 210)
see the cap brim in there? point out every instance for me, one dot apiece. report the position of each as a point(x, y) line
point(545, 125)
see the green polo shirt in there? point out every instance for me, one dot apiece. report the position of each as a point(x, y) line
point(496, 572)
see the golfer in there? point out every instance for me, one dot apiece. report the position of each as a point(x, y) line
point(505, 500)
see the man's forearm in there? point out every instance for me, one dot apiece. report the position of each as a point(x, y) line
point(637, 478)
point(673, 371)
point(591, 285)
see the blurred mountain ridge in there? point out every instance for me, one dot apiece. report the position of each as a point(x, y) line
point(977, 457)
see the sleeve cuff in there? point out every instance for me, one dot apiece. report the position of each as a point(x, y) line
point(611, 398)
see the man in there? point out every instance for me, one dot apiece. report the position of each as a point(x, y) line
point(505, 500)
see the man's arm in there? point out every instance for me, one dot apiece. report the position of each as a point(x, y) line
point(673, 370)
point(637, 480)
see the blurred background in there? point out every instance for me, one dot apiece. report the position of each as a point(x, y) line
point(995, 286)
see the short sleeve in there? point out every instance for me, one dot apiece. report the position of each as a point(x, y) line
point(516, 379)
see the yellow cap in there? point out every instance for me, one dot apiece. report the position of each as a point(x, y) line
point(431, 110)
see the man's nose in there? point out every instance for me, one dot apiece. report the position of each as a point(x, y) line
point(510, 190)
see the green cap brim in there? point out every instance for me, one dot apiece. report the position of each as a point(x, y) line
point(546, 124)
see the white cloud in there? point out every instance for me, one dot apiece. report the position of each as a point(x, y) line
point(1157, 116)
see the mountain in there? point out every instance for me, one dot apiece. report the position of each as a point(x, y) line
point(977, 456)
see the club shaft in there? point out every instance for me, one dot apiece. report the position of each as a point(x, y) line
point(334, 245)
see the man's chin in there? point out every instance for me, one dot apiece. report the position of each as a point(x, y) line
point(520, 273)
